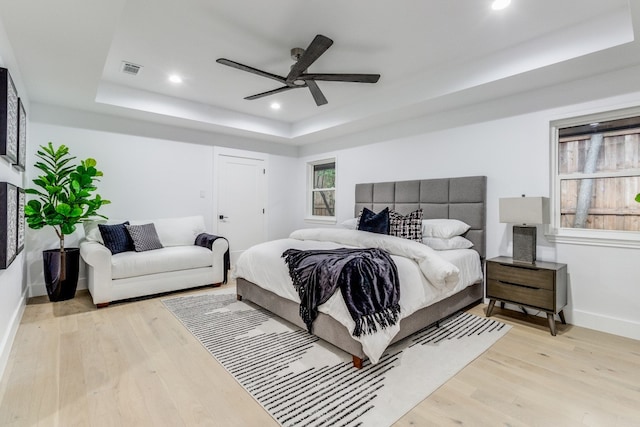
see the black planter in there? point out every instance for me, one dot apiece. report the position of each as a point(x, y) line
point(61, 284)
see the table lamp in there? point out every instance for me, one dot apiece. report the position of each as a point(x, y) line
point(525, 212)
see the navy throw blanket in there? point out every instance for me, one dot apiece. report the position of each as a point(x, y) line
point(206, 241)
point(368, 281)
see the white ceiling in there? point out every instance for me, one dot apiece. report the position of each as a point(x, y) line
point(428, 53)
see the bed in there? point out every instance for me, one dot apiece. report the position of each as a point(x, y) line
point(461, 198)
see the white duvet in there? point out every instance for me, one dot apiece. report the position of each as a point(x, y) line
point(425, 275)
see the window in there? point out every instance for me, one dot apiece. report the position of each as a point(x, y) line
point(322, 190)
point(596, 168)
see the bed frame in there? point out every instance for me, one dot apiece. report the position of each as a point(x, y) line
point(461, 198)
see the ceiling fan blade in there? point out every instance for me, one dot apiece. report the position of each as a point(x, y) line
point(248, 69)
point(317, 47)
point(316, 92)
point(355, 78)
point(272, 92)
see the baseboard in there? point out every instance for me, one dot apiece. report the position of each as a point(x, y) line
point(7, 340)
point(611, 325)
point(595, 321)
point(40, 289)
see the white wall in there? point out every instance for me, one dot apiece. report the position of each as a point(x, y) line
point(514, 154)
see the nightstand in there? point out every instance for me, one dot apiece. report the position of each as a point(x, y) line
point(542, 285)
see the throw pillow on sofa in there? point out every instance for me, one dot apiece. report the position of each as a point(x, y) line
point(145, 237)
point(116, 238)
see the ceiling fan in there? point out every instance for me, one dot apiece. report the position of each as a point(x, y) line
point(298, 76)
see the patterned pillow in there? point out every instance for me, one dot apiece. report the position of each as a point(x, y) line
point(145, 237)
point(407, 227)
point(374, 222)
point(116, 238)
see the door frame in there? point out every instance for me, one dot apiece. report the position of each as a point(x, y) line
point(232, 152)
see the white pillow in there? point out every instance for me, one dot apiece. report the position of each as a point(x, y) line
point(455, 242)
point(179, 231)
point(443, 228)
point(351, 223)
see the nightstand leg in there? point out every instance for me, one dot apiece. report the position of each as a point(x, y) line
point(561, 314)
point(492, 303)
point(552, 323)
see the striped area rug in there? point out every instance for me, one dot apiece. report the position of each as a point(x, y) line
point(303, 381)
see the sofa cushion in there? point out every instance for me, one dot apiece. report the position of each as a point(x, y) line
point(179, 231)
point(115, 237)
point(145, 237)
point(133, 264)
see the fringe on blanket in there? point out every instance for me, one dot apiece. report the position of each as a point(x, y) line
point(369, 324)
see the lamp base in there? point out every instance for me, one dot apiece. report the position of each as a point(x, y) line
point(524, 244)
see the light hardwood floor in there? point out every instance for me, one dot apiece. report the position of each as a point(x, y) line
point(133, 364)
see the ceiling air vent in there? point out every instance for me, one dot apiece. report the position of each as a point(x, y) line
point(131, 68)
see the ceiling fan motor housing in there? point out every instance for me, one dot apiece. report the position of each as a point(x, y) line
point(296, 53)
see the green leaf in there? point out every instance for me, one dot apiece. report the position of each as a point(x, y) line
point(63, 209)
point(67, 228)
point(35, 205)
point(90, 163)
point(638, 198)
point(42, 182)
point(35, 192)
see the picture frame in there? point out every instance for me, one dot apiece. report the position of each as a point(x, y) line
point(22, 137)
point(21, 223)
point(8, 223)
point(8, 117)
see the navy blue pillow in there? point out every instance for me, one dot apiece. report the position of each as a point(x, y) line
point(116, 237)
point(374, 222)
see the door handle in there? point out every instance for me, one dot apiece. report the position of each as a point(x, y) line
point(222, 217)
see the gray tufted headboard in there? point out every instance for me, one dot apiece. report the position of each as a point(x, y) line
point(461, 198)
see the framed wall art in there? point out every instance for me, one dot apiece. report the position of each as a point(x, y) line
point(8, 117)
point(8, 223)
point(22, 137)
point(21, 224)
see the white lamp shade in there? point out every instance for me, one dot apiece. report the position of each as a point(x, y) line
point(524, 210)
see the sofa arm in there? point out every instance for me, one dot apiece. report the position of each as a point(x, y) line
point(95, 254)
point(98, 260)
point(219, 247)
point(221, 257)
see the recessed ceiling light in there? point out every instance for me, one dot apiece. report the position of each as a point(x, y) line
point(174, 78)
point(275, 106)
point(500, 4)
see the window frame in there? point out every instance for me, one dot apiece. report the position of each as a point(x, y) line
point(581, 236)
point(310, 191)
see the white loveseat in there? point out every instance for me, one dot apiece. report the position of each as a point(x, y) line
point(179, 264)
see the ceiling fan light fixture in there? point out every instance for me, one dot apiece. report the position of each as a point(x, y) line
point(174, 78)
point(500, 4)
point(275, 105)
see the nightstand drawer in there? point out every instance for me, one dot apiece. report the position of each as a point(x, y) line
point(531, 277)
point(535, 297)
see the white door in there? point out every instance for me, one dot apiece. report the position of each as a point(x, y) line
point(241, 203)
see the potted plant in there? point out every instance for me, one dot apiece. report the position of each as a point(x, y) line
point(63, 199)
